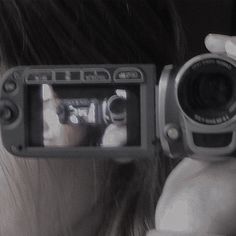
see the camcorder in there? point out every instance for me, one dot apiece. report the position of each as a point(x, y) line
point(121, 111)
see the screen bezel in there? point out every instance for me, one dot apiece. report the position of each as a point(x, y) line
point(15, 138)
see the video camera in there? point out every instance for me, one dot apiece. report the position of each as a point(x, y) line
point(118, 111)
point(92, 111)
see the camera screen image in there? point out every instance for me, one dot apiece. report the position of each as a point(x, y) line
point(72, 116)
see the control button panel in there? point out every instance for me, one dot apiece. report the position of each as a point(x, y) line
point(39, 77)
point(97, 76)
point(85, 75)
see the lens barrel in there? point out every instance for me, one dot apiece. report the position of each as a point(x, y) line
point(206, 90)
point(117, 109)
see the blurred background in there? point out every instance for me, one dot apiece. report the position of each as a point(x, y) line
point(200, 17)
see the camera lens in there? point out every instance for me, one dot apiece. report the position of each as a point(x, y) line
point(210, 91)
point(206, 91)
point(118, 105)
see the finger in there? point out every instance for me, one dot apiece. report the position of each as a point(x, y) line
point(230, 47)
point(47, 92)
point(215, 43)
point(114, 136)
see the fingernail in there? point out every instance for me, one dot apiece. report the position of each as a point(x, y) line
point(230, 48)
point(47, 92)
point(216, 43)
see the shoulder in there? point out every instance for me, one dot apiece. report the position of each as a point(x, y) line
point(199, 197)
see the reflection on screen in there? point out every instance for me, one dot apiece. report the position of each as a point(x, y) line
point(85, 116)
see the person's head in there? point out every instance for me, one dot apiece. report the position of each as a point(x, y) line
point(97, 32)
point(86, 32)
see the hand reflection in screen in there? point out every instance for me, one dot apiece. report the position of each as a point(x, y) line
point(115, 134)
point(55, 133)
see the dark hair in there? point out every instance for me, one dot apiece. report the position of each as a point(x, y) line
point(101, 31)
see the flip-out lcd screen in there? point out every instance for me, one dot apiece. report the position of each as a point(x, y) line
point(83, 115)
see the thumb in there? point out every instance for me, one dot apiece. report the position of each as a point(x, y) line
point(47, 92)
point(215, 43)
point(230, 47)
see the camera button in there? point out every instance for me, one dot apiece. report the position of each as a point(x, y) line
point(9, 86)
point(8, 112)
point(128, 75)
point(173, 133)
point(104, 75)
point(75, 75)
point(96, 76)
point(60, 76)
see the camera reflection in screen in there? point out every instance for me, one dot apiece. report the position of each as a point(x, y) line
point(84, 121)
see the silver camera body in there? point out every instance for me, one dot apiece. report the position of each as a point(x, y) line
point(196, 108)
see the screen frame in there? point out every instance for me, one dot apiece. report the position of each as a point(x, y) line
point(14, 136)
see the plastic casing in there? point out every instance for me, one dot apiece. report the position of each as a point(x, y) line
point(14, 135)
point(171, 114)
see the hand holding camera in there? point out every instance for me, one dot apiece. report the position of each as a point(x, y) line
point(199, 196)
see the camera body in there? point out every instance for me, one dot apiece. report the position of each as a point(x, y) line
point(197, 108)
point(107, 111)
point(121, 111)
point(92, 111)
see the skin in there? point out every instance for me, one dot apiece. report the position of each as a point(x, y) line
point(199, 196)
point(55, 133)
point(62, 135)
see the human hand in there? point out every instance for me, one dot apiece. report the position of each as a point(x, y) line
point(55, 133)
point(199, 197)
point(115, 136)
point(217, 43)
